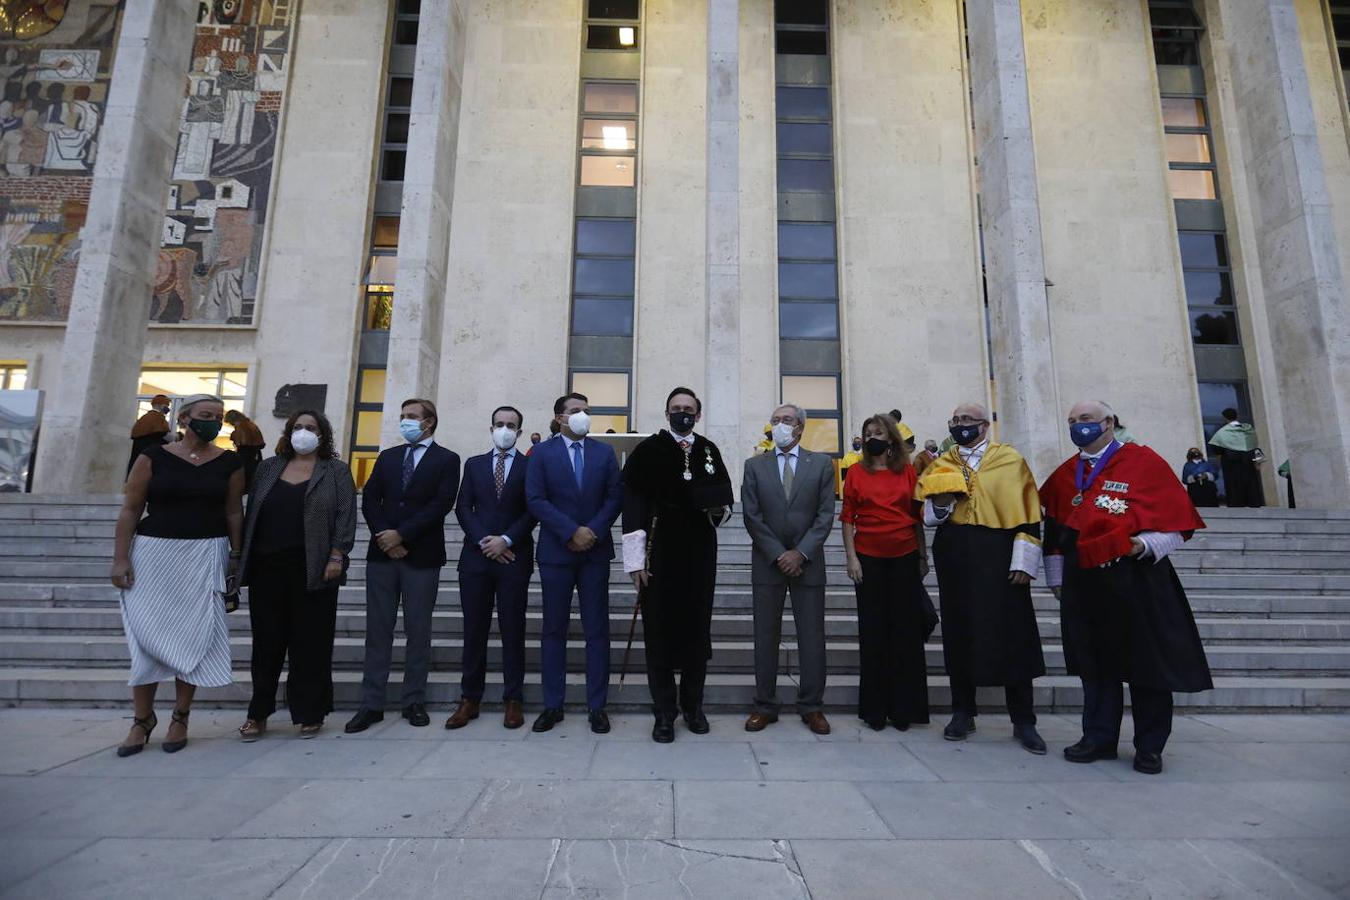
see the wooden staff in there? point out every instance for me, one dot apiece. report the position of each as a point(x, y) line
point(637, 604)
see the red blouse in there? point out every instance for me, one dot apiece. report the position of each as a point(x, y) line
point(882, 506)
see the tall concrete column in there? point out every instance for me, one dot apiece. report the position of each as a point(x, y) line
point(424, 226)
point(84, 447)
point(722, 419)
point(1019, 310)
point(1307, 309)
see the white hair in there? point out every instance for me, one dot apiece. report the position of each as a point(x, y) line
point(796, 410)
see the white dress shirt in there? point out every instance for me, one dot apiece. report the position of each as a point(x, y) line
point(419, 450)
point(972, 457)
point(510, 458)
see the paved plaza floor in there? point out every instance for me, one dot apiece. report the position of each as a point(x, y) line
point(1248, 806)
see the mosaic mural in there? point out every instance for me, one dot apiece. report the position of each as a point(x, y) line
point(56, 60)
point(222, 171)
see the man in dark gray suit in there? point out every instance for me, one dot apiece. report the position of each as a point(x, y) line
point(788, 501)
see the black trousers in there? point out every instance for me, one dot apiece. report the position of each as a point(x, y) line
point(508, 589)
point(1017, 696)
point(287, 618)
point(1104, 707)
point(893, 679)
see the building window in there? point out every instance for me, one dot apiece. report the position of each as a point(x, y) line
point(13, 376)
point(1340, 28)
point(406, 14)
point(609, 395)
point(368, 409)
point(380, 271)
point(1215, 397)
point(819, 396)
point(397, 117)
point(1209, 287)
point(230, 385)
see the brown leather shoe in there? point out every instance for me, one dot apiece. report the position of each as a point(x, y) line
point(759, 721)
point(817, 722)
point(514, 717)
point(466, 712)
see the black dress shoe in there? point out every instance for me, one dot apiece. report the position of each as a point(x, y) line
point(416, 714)
point(547, 719)
point(663, 732)
point(876, 724)
point(697, 722)
point(959, 727)
point(363, 719)
point(1030, 740)
point(1148, 763)
point(1085, 752)
point(599, 721)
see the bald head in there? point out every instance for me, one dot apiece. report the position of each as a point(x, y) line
point(973, 410)
point(969, 424)
point(1096, 410)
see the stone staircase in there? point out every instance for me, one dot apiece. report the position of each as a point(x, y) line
point(1270, 590)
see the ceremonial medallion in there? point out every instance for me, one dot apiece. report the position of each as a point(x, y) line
point(688, 476)
point(1077, 499)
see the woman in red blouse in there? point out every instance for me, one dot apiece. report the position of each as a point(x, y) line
point(884, 543)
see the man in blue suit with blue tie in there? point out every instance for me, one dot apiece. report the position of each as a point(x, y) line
point(572, 487)
point(495, 565)
point(405, 501)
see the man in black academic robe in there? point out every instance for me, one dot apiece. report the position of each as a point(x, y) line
point(676, 492)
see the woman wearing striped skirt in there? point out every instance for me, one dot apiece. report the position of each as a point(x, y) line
point(175, 565)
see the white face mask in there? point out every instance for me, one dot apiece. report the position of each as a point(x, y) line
point(783, 435)
point(504, 438)
point(579, 423)
point(304, 442)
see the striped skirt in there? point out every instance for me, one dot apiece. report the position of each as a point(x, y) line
point(173, 615)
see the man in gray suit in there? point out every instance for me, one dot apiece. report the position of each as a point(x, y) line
point(788, 501)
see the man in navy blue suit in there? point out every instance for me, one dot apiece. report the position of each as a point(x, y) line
point(495, 565)
point(410, 492)
point(572, 488)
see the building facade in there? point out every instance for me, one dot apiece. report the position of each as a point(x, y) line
point(853, 205)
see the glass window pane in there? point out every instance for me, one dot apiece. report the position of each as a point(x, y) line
point(1183, 112)
point(604, 276)
point(807, 43)
point(808, 320)
point(821, 435)
point(1214, 327)
point(14, 378)
point(379, 308)
point(811, 391)
point(602, 388)
point(385, 233)
point(807, 280)
point(368, 428)
point(607, 171)
point(602, 424)
point(1182, 51)
point(383, 269)
point(804, 138)
point(611, 37)
point(229, 384)
point(612, 9)
point(609, 134)
point(806, 241)
point(801, 12)
point(1201, 249)
point(1208, 289)
point(372, 386)
point(405, 32)
point(1192, 184)
point(395, 161)
point(1216, 396)
point(814, 175)
point(803, 103)
point(362, 464)
point(1188, 148)
point(609, 97)
point(591, 316)
point(400, 92)
point(396, 128)
point(409, 7)
point(606, 237)
point(1161, 16)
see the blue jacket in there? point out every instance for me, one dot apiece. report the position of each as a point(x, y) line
point(553, 498)
point(480, 513)
point(419, 515)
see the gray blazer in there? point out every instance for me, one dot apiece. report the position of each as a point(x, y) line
point(778, 523)
point(330, 514)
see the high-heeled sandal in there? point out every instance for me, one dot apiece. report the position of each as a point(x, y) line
point(181, 717)
point(146, 725)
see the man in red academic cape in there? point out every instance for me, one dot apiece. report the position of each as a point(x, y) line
point(1113, 512)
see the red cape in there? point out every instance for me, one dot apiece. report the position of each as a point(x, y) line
point(1154, 500)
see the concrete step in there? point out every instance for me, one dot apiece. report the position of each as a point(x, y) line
point(448, 624)
point(81, 651)
point(22, 685)
point(838, 598)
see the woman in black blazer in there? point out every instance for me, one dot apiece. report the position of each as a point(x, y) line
point(299, 529)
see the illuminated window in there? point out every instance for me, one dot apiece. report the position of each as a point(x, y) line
point(230, 385)
point(13, 376)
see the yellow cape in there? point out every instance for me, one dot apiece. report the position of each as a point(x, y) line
point(1002, 494)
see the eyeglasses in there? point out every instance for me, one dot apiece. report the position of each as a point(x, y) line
point(785, 420)
point(964, 420)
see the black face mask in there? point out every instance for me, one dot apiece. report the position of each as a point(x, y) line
point(877, 447)
point(965, 435)
point(682, 422)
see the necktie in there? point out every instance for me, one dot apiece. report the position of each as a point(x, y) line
point(788, 474)
point(577, 464)
point(499, 474)
point(408, 466)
